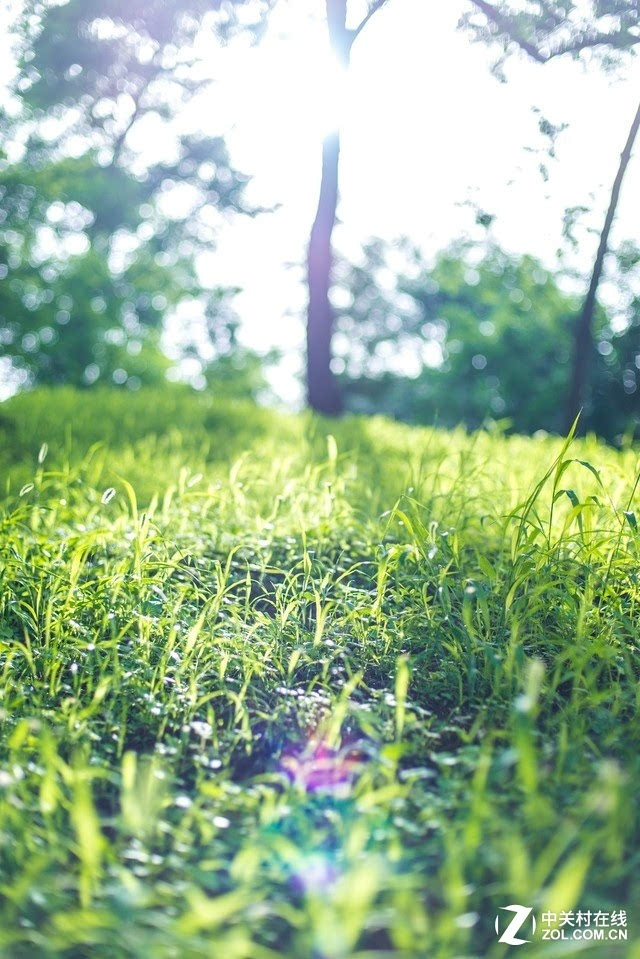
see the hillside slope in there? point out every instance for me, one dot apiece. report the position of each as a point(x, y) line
point(271, 686)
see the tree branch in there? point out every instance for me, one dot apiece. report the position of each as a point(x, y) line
point(377, 5)
point(617, 40)
point(147, 79)
point(506, 26)
point(119, 143)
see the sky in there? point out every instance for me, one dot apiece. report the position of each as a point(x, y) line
point(426, 130)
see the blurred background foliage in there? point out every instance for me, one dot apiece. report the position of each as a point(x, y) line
point(486, 336)
point(97, 245)
point(100, 249)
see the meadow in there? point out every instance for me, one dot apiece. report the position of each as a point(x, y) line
point(275, 686)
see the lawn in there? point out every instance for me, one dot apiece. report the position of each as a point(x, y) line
point(273, 687)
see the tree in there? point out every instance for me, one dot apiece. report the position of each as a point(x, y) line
point(65, 315)
point(545, 30)
point(99, 239)
point(480, 334)
point(583, 348)
point(542, 29)
point(322, 388)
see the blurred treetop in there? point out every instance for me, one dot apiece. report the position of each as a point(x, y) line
point(98, 239)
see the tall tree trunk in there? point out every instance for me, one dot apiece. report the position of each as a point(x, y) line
point(583, 343)
point(322, 389)
point(323, 392)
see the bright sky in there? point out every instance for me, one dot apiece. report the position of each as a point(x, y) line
point(426, 128)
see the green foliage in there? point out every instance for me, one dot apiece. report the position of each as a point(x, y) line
point(486, 336)
point(95, 248)
point(70, 319)
point(269, 692)
point(546, 28)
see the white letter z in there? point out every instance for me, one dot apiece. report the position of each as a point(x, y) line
point(522, 913)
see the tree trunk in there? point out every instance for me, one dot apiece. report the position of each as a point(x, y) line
point(583, 343)
point(322, 389)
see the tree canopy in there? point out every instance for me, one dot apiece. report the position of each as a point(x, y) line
point(99, 237)
point(477, 335)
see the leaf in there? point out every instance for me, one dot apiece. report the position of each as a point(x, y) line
point(591, 469)
point(564, 891)
point(572, 496)
point(401, 689)
point(486, 566)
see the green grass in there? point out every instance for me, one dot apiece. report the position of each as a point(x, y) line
point(271, 686)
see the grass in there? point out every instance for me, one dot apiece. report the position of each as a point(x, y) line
point(276, 687)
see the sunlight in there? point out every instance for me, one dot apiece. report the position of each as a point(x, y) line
point(302, 93)
point(274, 102)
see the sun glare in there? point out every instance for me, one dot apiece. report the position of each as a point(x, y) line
point(299, 95)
